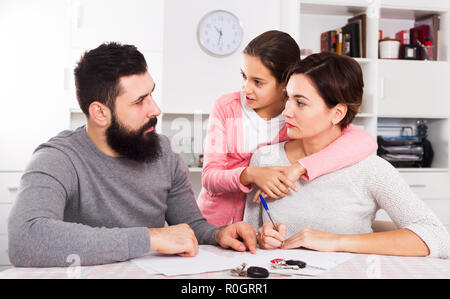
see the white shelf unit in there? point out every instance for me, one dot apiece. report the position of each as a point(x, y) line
point(396, 92)
point(187, 132)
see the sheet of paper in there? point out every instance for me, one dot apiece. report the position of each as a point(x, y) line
point(171, 265)
point(262, 258)
point(214, 258)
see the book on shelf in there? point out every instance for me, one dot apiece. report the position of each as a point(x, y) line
point(348, 40)
point(346, 44)
point(433, 22)
point(420, 33)
point(353, 30)
point(361, 20)
point(339, 41)
point(328, 41)
point(403, 37)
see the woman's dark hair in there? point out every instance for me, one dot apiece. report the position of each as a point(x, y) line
point(99, 70)
point(277, 51)
point(337, 79)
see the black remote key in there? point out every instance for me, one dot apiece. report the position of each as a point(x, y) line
point(257, 272)
point(300, 264)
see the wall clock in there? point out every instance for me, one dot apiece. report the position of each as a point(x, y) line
point(219, 33)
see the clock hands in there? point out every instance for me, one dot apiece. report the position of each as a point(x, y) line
point(220, 35)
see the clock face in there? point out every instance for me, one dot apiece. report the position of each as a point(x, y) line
point(219, 33)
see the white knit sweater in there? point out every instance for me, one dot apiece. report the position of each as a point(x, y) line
point(346, 201)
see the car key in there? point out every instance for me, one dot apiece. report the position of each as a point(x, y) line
point(302, 264)
point(253, 272)
point(257, 272)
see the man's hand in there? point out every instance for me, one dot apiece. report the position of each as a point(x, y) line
point(176, 239)
point(233, 234)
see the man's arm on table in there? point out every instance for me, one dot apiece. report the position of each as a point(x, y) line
point(38, 236)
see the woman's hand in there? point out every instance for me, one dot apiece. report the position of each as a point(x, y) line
point(313, 239)
point(269, 238)
point(270, 179)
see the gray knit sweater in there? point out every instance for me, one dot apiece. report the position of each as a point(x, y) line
point(74, 199)
point(346, 201)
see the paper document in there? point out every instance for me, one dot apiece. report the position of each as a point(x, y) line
point(171, 265)
point(213, 258)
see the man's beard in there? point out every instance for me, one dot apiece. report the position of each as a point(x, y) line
point(135, 145)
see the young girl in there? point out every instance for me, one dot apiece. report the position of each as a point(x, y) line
point(241, 122)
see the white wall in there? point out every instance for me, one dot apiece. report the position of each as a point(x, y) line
point(193, 79)
point(32, 53)
point(42, 41)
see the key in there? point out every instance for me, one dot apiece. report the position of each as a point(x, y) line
point(239, 271)
point(257, 272)
point(253, 272)
point(302, 264)
point(284, 266)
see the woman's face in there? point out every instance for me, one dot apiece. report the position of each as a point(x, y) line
point(306, 113)
point(259, 86)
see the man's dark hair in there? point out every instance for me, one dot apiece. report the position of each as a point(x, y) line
point(99, 70)
point(337, 78)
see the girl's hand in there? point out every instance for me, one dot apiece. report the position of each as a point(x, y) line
point(313, 239)
point(270, 179)
point(295, 171)
point(269, 238)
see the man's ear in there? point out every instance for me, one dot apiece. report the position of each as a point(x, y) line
point(100, 114)
point(340, 110)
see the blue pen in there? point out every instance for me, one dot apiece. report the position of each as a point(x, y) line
point(267, 210)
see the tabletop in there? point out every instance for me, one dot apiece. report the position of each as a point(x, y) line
point(359, 266)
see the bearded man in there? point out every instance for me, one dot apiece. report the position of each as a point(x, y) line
point(105, 190)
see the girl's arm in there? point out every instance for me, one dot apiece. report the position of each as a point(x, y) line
point(216, 178)
point(353, 146)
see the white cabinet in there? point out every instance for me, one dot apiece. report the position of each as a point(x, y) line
point(4, 259)
point(434, 189)
point(431, 185)
point(4, 214)
point(9, 186)
point(416, 4)
point(396, 92)
point(414, 88)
